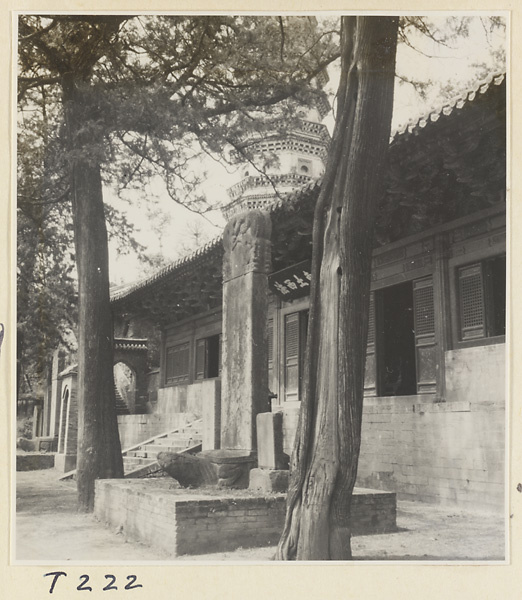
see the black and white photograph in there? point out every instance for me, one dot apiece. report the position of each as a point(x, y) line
point(261, 289)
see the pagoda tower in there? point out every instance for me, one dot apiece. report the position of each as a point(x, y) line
point(300, 149)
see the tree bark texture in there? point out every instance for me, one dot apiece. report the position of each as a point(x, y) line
point(99, 449)
point(326, 450)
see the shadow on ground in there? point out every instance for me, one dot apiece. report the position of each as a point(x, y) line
point(49, 528)
point(42, 493)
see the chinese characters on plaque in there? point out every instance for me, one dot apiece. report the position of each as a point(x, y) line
point(292, 282)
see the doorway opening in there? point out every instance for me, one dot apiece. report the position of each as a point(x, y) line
point(396, 359)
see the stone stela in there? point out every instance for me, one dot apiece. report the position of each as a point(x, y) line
point(244, 378)
point(246, 264)
point(245, 303)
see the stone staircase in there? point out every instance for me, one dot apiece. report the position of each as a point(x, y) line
point(141, 459)
point(121, 405)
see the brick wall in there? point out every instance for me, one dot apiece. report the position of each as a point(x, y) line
point(188, 398)
point(134, 429)
point(190, 522)
point(33, 462)
point(226, 524)
point(178, 522)
point(451, 452)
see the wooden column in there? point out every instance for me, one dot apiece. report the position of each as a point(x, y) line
point(441, 287)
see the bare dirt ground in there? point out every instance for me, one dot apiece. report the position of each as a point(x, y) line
point(48, 528)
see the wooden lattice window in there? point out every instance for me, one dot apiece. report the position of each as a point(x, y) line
point(177, 363)
point(370, 384)
point(471, 295)
point(482, 299)
point(270, 342)
point(424, 307)
point(371, 321)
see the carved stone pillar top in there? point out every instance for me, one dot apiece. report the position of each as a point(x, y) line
point(246, 240)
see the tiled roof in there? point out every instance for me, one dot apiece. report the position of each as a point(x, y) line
point(456, 103)
point(123, 291)
point(130, 343)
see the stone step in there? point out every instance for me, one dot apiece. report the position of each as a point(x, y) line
point(143, 453)
point(121, 406)
point(151, 450)
point(176, 441)
point(133, 468)
point(187, 432)
point(192, 429)
point(150, 470)
point(134, 461)
point(170, 440)
point(182, 434)
point(155, 448)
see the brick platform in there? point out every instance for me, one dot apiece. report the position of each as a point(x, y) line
point(179, 521)
point(34, 461)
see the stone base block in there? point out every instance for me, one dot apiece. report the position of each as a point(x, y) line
point(232, 466)
point(270, 453)
point(211, 410)
point(65, 462)
point(45, 444)
point(34, 461)
point(223, 468)
point(269, 480)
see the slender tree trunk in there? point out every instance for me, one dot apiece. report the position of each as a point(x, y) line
point(326, 451)
point(99, 449)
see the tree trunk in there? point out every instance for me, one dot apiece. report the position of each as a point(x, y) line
point(99, 449)
point(326, 451)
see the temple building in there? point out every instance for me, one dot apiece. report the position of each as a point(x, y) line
point(434, 410)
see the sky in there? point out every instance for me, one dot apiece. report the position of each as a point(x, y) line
point(454, 65)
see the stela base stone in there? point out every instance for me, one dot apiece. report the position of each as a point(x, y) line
point(269, 480)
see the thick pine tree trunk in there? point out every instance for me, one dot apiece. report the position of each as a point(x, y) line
point(99, 449)
point(326, 451)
